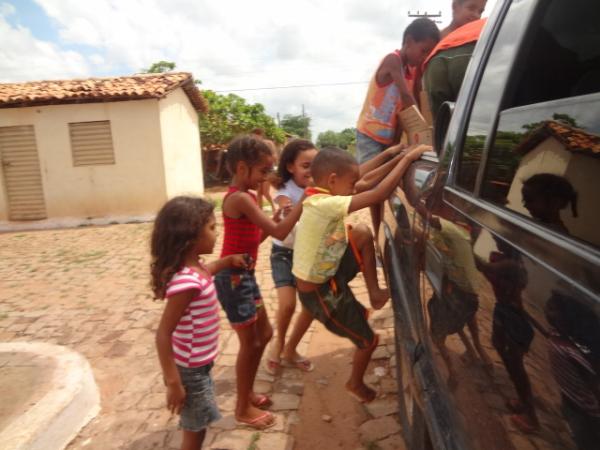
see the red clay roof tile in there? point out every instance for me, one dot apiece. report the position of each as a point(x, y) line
point(135, 87)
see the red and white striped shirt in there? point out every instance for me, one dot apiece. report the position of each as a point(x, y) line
point(196, 337)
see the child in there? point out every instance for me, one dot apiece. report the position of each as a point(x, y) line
point(573, 353)
point(293, 177)
point(463, 12)
point(327, 256)
point(390, 89)
point(264, 190)
point(249, 160)
point(545, 195)
point(186, 339)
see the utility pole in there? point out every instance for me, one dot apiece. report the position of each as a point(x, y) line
point(434, 17)
point(304, 122)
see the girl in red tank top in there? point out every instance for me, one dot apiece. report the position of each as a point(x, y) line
point(249, 159)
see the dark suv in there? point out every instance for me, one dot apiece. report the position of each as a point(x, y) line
point(492, 247)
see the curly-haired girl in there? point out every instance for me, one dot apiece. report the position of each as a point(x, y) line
point(187, 336)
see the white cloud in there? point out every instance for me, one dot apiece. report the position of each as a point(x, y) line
point(230, 44)
point(24, 58)
point(6, 9)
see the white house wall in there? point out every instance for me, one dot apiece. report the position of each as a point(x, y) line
point(181, 145)
point(133, 185)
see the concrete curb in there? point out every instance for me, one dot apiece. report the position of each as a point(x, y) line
point(70, 222)
point(70, 403)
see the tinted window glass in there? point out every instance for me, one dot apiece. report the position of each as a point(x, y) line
point(545, 159)
point(488, 98)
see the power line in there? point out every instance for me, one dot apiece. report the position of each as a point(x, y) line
point(293, 87)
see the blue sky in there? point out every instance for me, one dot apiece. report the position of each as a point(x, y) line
point(228, 44)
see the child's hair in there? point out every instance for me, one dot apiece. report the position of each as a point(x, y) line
point(288, 155)
point(248, 149)
point(175, 231)
point(421, 29)
point(330, 160)
point(548, 185)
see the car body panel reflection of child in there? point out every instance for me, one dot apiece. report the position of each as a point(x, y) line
point(573, 347)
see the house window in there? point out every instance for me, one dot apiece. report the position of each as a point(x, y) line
point(544, 162)
point(91, 143)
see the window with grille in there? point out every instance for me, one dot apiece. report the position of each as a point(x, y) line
point(91, 143)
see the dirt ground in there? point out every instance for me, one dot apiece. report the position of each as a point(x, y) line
point(95, 300)
point(324, 395)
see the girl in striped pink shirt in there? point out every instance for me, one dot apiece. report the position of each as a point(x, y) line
point(187, 336)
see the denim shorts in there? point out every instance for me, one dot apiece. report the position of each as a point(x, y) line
point(281, 266)
point(239, 296)
point(367, 148)
point(200, 408)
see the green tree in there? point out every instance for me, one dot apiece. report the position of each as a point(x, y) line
point(562, 118)
point(296, 125)
point(230, 115)
point(343, 139)
point(327, 138)
point(160, 67)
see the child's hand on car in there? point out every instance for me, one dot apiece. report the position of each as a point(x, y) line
point(395, 149)
point(414, 152)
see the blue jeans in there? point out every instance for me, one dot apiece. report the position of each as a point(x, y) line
point(367, 148)
point(200, 407)
point(281, 266)
point(239, 296)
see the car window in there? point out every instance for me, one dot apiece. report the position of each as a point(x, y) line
point(544, 162)
point(488, 97)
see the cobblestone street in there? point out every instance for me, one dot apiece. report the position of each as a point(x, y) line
point(87, 288)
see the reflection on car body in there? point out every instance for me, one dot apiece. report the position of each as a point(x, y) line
point(492, 252)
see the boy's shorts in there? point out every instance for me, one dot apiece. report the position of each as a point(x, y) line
point(239, 296)
point(367, 148)
point(200, 408)
point(281, 266)
point(334, 304)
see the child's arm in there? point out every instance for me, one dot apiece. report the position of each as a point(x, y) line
point(370, 179)
point(380, 159)
point(174, 309)
point(231, 261)
point(242, 203)
point(387, 185)
point(392, 66)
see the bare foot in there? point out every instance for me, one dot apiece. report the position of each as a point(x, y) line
point(255, 418)
point(361, 392)
point(379, 298)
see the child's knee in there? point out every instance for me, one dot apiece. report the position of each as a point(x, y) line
point(361, 234)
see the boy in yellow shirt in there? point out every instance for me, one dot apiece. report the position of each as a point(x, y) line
point(328, 255)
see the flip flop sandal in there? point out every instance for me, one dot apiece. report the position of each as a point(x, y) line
point(304, 364)
point(272, 366)
point(262, 401)
point(256, 422)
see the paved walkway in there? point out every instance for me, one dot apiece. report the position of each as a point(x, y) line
point(87, 288)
